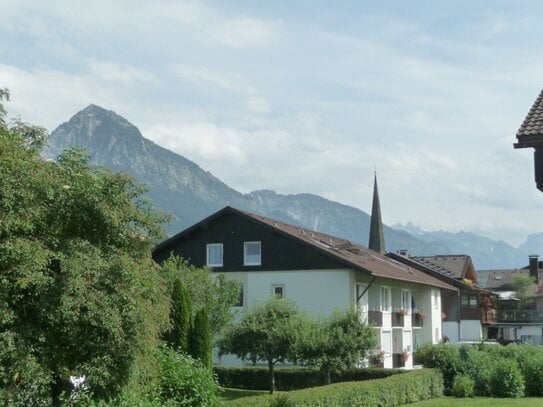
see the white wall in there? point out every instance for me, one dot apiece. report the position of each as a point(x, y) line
point(471, 330)
point(450, 329)
point(317, 292)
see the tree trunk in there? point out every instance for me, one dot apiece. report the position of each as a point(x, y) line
point(271, 376)
point(327, 379)
point(60, 391)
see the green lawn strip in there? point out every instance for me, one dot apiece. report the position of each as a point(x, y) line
point(479, 402)
point(232, 394)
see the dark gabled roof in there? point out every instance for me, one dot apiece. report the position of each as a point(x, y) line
point(348, 253)
point(445, 267)
point(530, 133)
point(454, 266)
point(501, 279)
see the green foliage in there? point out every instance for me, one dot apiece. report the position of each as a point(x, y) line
point(286, 379)
point(395, 390)
point(79, 294)
point(444, 357)
point(463, 386)
point(269, 331)
point(336, 343)
point(214, 293)
point(185, 382)
point(180, 318)
point(200, 340)
point(282, 400)
point(523, 286)
point(507, 380)
point(531, 366)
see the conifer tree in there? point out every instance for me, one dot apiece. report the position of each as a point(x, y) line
point(180, 318)
point(200, 339)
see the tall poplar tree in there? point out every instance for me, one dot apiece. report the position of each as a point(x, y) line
point(180, 318)
point(200, 339)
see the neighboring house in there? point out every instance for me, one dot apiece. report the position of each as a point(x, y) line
point(530, 135)
point(515, 323)
point(468, 313)
point(321, 273)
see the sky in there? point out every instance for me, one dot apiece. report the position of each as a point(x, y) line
point(306, 96)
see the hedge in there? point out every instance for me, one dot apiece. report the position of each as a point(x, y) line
point(286, 379)
point(392, 391)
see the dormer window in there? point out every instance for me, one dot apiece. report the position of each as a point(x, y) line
point(252, 254)
point(214, 254)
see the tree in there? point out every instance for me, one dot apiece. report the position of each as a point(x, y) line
point(337, 343)
point(268, 332)
point(180, 318)
point(200, 339)
point(79, 293)
point(523, 286)
point(213, 292)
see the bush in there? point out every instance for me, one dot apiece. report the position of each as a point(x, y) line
point(391, 391)
point(185, 382)
point(507, 381)
point(531, 367)
point(444, 357)
point(463, 386)
point(478, 363)
point(286, 379)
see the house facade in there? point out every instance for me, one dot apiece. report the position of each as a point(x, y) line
point(517, 322)
point(467, 314)
point(320, 273)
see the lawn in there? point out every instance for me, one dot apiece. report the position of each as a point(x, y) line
point(480, 402)
point(232, 394)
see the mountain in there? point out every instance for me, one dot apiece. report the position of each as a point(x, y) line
point(190, 193)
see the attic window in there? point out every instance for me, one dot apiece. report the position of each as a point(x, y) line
point(252, 254)
point(214, 254)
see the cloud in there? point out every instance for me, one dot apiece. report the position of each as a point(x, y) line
point(239, 32)
point(258, 104)
point(125, 74)
point(209, 76)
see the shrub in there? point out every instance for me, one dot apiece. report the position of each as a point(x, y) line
point(185, 382)
point(391, 391)
point(531, 367)
point(507, 381)
point(479, 364)
point(463, 386)
point(282, 400)
point(444, 357)
point(286, 379)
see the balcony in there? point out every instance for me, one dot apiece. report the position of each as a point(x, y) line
point(417, 320)
point(398, 319)
point(375, 318)
point(489, 316)
point(520, 316)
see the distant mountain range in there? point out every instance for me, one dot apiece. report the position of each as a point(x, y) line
point(190, 193)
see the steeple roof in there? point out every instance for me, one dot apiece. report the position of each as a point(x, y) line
point(377, 236)
point(530, 133)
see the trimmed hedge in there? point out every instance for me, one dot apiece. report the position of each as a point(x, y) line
point(392, 391)
point(286, 379)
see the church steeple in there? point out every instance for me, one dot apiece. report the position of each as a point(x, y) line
point(377, 237)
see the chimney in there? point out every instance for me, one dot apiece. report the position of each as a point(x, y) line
point(534, 267)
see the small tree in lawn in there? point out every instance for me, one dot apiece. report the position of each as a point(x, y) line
point(268, 332)
point(337, 343)
point(200, 339)
point(180, 318)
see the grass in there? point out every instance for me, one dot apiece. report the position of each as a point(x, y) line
point(233, 394)
point(479, 402)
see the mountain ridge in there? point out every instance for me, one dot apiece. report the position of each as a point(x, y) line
point(190, 193)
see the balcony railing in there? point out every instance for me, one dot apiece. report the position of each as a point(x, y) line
point(518, 316)
point(375, 318)
point(489, 316)
point(397, 319)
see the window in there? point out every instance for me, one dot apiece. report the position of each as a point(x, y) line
point(361, 300)
point(385, 299)
point(278, 291)
point(386, 342)
point(468, 301)
point(214, 254)
point(406, 300)
point(240, 296)
point(251, 254)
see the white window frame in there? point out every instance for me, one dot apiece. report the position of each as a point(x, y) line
point(406, 305)
point(252, 263)
point(388, 299)
point(212, 245)
point(386, 347)
point(282, 287)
